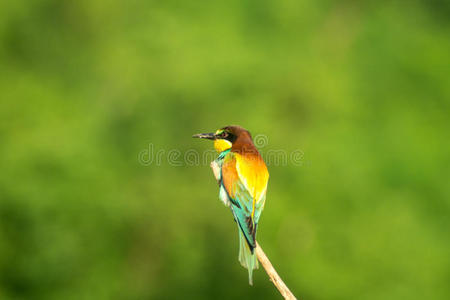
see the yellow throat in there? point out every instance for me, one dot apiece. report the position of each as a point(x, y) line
point(221, 145)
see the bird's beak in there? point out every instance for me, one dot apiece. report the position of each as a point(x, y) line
point(209, 136)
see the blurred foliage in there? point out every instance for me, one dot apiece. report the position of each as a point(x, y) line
point(362, 88)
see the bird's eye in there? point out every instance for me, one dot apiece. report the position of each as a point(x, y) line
point(224, 134)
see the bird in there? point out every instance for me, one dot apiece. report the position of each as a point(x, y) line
point(242, 179)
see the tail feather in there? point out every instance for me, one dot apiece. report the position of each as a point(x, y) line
point(246, 257)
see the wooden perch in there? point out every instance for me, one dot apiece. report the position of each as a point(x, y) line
point(265, 262)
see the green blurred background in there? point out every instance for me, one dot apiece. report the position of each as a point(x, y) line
point(362, 89)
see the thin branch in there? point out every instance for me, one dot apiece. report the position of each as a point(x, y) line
point(274, 277)
point(265, 262)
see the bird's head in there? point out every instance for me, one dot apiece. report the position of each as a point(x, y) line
point(225, 137)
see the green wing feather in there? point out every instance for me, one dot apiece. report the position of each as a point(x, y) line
point(239, 200)
point(241, 204)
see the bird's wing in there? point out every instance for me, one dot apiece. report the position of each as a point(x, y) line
point(246, 191)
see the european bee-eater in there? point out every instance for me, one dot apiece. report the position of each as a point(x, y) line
point(243, 181)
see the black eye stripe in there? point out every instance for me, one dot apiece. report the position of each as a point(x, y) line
point(226, 135)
